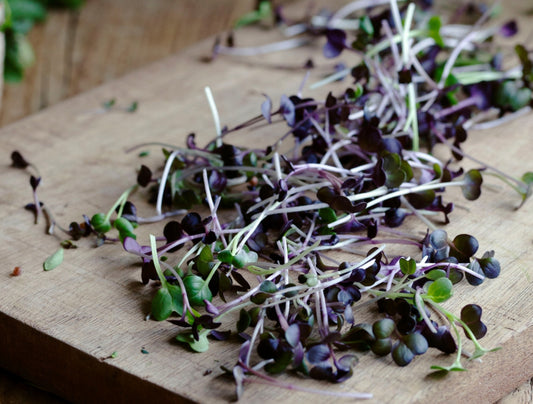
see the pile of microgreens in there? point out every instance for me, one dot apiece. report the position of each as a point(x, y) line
point(294, 238)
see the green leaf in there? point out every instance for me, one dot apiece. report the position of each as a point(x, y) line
point(452, 368)
point(177, 298)
point(132, 107)
point(402, 355)
point(438, 171)
point(472, 185)
point(162, 304)
point(416, 342)
point(408, 267)
point(528, 177)
point(206, 255)
point(264, 11)
point(366, 25)
point(440, 290)
point(225, 256)
point(280, 362)
point(395, 176)
point(465, 247)
point(27, 9)
point(123, 225)
point(22, 26)
point(434, 25)
point(24, 51)
point(202, 345)
point(383, 328)
point(268, 287)
point(204, 262)
point(197, 290)
point(125, 228)
point(54, 260)
point(12, 73)
point(244, 258)
point(421, 199)
point(100, 223)
point(204, 267)
point(511, 95)
point(327, 215)
point(108, 104)
point(244, 321)
point(435, 274)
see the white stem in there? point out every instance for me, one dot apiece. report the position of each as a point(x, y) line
point(214, 112)
point(163, 181)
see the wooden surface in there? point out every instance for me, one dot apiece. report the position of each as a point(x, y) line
point(76, 51)
point(60, 306)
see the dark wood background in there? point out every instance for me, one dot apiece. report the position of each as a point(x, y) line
point(76, 51)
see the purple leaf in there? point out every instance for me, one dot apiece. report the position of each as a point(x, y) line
point(191, 144)
point(318, 353)
point(509, 29)
point(336, 43)
point(266, 109)
point(18, 161)
point(347, 362)
point(348, 315)
point(144, 176)
point(298, 355)
point(287, 109)
point(292, 335)
point(131, 246)
point(34, 182)
point(211, 308)
point(220, 335)
point(217, 181)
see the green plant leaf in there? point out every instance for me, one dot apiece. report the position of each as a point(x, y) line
point(244, 321)
point(528, 177)
point(27, 10)
point(54, 260)
point(472, 185)
point(408, 267)
point(263, 11)
point(162, 304)
point(177, 298)
point(440, 290)
point(197, 290)
point(225, 256)
point(244, 258)
point(452, 368)
point(434, 25)
point(123, 225)
point(435, 274)
point(202, 345)
point(100, 223)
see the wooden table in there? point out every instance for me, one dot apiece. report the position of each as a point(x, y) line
point(79, 50)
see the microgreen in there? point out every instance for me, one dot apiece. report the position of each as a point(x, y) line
point(20, 17)
point(263, 12)
point(54, 260)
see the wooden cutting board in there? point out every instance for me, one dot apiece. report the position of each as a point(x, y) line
point(58, 328)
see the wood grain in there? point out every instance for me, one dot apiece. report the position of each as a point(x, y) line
point(76, 51)
point(67, 127)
